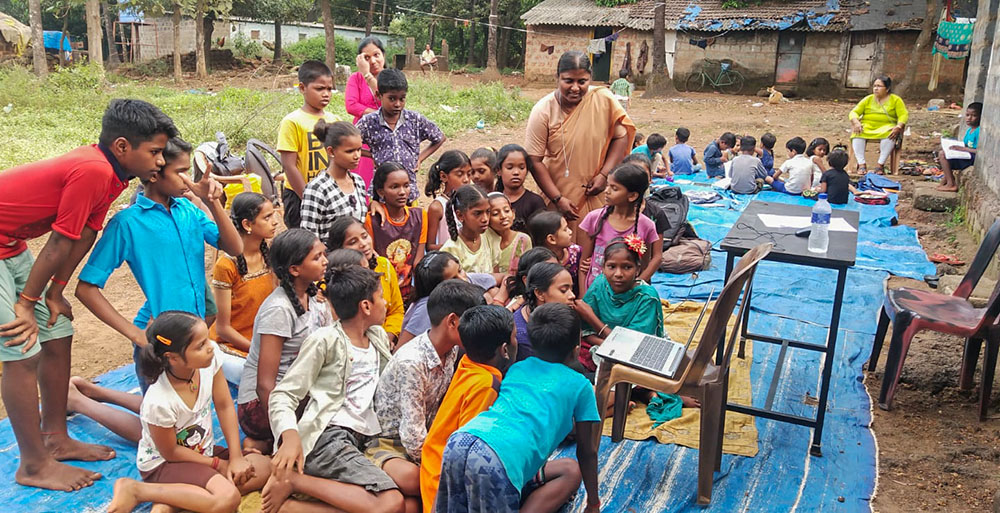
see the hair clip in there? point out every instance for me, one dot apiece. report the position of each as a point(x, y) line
point(636, 244)
point(164, 340)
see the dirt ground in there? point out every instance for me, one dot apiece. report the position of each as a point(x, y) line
point(934, 455)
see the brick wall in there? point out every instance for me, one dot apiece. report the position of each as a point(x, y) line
point(824, 62)
point(895, 55)
point(754, 54)
point(541, 66)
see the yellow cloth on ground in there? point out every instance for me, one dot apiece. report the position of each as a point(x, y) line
point(741, 431)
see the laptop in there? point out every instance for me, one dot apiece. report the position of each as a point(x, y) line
point(660, 356)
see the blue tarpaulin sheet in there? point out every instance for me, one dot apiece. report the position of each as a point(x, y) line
point(789, 301)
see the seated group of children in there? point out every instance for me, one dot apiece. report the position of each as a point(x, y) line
point(808, 169)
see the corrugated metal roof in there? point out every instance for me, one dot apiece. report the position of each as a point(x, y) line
point(711, 16)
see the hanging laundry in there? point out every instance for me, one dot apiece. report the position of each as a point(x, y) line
point(627, 65)
point(700, 43)
point(596, 46)
point(612, 38)
point(640, 63)
point(953, 39)
point(547, 48)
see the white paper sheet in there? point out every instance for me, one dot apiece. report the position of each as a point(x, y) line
point(946, 145)
point(837, 224)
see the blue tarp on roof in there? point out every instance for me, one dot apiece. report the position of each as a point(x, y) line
point(779, 17)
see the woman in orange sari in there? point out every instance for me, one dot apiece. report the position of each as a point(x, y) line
point(576, 135)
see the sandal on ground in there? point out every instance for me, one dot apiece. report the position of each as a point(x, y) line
point(942, 258)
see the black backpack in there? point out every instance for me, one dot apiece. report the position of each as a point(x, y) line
point(670, 208)
point(224, 163)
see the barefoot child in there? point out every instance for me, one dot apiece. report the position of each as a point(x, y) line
point(795, 174)
point(513, 166)
point(414, 382)
point(470, 208)
point(401, 236)
point(490, 348)
point(241, 284)
point(162, 237)
point(322, 454)
point(180, 465)
point(484, 165)
point(969, 145)
point(626, 186)
point(451, 171)
point(510, 244)
point(337, 191)
point(498, 461)
point(68, 196)
point(284, 320)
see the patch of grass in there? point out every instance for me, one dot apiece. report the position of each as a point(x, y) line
point(51, 116)
point(953, 223)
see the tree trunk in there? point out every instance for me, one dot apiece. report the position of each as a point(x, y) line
point(659, 84)
point(62, 38)
point(176, 18)
point(385, 21)
point(331, 38)
point(278, 58)
point(503, 49)
point(37, 42)
point(931, 18)
point(209, 22)
point(368, 18)
point(114, 60)
point(95, 49)
point(470, 50)
point(201, 66)
point(491, 39)
point(430, 33)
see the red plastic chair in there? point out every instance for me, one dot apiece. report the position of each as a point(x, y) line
point(914, 310)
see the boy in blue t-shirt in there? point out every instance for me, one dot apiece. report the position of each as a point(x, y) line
point(683, 159)
point(498, 461)
point(715, 157)
point(970, 142)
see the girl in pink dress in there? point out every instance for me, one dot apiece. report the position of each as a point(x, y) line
point(360, 98)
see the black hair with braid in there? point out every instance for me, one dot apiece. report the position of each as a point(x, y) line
point(449, 161)
point(464, 197)
point(382, 173)
point(634, 179)
point(246, 207)
point(505, 152)
point(291, 247)
point(539, 280)
point(516, 284)
point(338, 232)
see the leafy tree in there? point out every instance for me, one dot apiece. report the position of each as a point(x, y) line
point(276, 11)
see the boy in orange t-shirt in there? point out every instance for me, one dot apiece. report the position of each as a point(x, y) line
point(487, 333)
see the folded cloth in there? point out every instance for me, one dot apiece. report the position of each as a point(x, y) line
point(664, 408)
point(876, 182)
point(700, 197)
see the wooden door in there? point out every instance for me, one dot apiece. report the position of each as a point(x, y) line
point(861, 59)
point(602, 62)
point(789, 56)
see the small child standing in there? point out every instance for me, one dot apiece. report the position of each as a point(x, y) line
point(485, 332)
point(767, 142)
point(683, 159)
point(627, 184)
point(470, 207)
point(549, 229)
point(623, 89)
point(402, 236)
point(715, 158)
point(336, 373)
point(394, 133)
point(338, 191)
point(817, 150)
point(497, 462)
point(452, 170)
point(835, 182)
point(798, 169)
point(747, 170)
point(510, 244)
point(653, 149)
point(513, 166)
point(484, 168)
point(302, 153)
point(180, 465)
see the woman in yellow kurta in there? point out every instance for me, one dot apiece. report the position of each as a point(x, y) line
point(879, 116)
point(575, 136)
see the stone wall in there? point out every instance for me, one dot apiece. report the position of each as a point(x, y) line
point(754, 54)
point(156, 37)
point(824, 63)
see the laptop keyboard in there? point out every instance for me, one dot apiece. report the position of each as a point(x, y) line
point(651, 353)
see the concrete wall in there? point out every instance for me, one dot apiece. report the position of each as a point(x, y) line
point(824, 62)
point(294, 32)
point(754, 54)
point(156, 37)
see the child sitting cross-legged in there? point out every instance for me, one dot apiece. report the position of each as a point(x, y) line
point(748, 172)
point(322, 454)
point(498, 461)
point(653, 149)
point(180, 465)
point(835, 182)
point(683, 160)
point(766, 152)
point(489, 350)
point(414, 382)
point(797, 170)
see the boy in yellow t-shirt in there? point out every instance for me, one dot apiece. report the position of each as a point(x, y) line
point(302, 154)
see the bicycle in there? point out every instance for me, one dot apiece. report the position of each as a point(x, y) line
point(728, 81)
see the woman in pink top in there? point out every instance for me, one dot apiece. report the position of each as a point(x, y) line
point(360, 97)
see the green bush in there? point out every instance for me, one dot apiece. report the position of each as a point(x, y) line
point(314, 48)
point(246, 48)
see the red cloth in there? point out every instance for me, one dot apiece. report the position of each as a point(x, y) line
point(62, 194)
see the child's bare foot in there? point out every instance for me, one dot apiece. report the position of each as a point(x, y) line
point(124, 499)
point(274, 494)
point(85, 387)
point(947, 188)
point(53, 475)
point(163, 508)
point(75, 397)
point(63, 448)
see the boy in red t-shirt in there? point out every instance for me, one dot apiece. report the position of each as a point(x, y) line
point(68, 196)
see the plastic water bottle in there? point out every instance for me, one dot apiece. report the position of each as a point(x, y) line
point(819, 236)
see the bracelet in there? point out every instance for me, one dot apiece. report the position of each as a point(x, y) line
point(57, 281)
point(215, 463)
point(557, 198)
point(29, 298)
point(600, 333)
